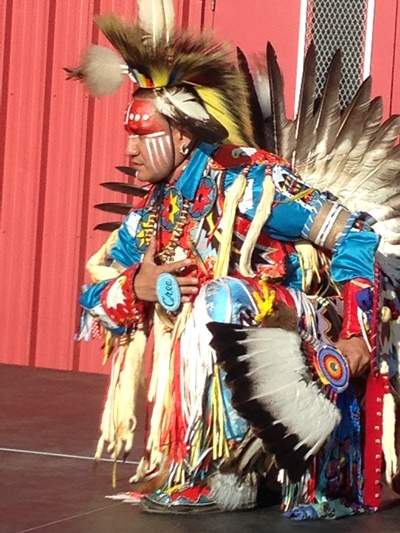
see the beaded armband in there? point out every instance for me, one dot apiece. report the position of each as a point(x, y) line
point(119, 302)
point(357, 307)
point(328, 225)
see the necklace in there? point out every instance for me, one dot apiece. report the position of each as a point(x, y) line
point(176, 230)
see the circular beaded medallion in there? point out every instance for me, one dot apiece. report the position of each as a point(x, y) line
point(332, 368)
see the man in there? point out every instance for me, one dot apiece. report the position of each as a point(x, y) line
point(220, 238)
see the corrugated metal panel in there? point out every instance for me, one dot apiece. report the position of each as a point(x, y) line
point(250, 25)
point(57, 145)
point(386, 54)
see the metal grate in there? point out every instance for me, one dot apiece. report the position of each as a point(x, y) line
point(333, 25)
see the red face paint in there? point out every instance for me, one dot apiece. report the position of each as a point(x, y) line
point(149, 146)
point(141, 118)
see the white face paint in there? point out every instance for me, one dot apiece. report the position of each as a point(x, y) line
point(152, 155)
point(153, 145)
point(159, 148)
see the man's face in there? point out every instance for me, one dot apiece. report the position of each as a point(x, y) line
point(150, 145)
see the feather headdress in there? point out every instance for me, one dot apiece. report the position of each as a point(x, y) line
point(194, 77)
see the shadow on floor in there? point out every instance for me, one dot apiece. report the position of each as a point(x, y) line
point(48, 433)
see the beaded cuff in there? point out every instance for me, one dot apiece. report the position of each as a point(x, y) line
point(119, 302)
point(326, 227)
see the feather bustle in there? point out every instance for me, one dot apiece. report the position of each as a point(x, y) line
point(305, 120)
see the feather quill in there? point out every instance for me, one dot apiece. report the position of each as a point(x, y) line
point(125, 188)
point(156, 18)
point(108, 226)
point(118, 208)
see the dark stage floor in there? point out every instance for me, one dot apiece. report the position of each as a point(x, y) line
point(48, 434)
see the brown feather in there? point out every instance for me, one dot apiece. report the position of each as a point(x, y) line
point(328, 114)
point(118, 208)
point(350, 130)
point(372, 123)
point(255, 108)
point(305, 120)
point(125, 188)
point(108, 226)
point(282, 128)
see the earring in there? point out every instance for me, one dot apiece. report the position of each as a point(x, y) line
point(184, 149)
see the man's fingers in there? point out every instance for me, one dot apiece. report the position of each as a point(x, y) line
point(187, 281)
point(151, 250)
point(176, 266)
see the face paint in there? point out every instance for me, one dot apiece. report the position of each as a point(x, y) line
point(159, 149)
point(150, 145)
point(141, 118)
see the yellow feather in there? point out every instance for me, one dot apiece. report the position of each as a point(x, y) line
point(159, 76)
point(217, 107)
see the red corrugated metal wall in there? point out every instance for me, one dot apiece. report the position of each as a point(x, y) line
point(57, 145)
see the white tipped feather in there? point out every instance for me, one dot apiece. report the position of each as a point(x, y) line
point(263, 91)
point(269, 380)
point(355, 157)
point(176, 102)
point(103, 70)
point(156, 18)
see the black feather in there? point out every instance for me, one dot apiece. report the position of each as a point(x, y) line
point(125, 188)
point(118, 208)
point(108, 226)
point(255, 108)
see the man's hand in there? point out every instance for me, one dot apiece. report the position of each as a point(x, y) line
point(356, 353)
point(144, 284)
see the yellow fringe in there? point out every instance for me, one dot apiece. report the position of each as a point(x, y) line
point(264, 303)
point(232, 200)
point(95, 266)
point(119, 419)
point(261, 216)
point(309, 264)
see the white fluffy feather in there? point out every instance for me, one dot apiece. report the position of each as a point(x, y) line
point(231, 493)
point(103, 70)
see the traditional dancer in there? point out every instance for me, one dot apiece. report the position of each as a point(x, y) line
point(227, 245)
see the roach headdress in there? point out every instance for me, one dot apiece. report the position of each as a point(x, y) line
point(194, 79)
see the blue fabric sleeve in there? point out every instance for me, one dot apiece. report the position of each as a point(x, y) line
point(354, 255)
point(125, 250)
point(92, 295)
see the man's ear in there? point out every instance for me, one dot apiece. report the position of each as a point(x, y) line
point(186, 136)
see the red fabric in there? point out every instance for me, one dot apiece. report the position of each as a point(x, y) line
point(351, 325)
point(270, 256)
point(231, 155)
point(175, 433)
point(373, 439)
point(192, 494)
point(377, 386)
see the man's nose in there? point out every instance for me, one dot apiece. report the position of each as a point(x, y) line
point(132, 147)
